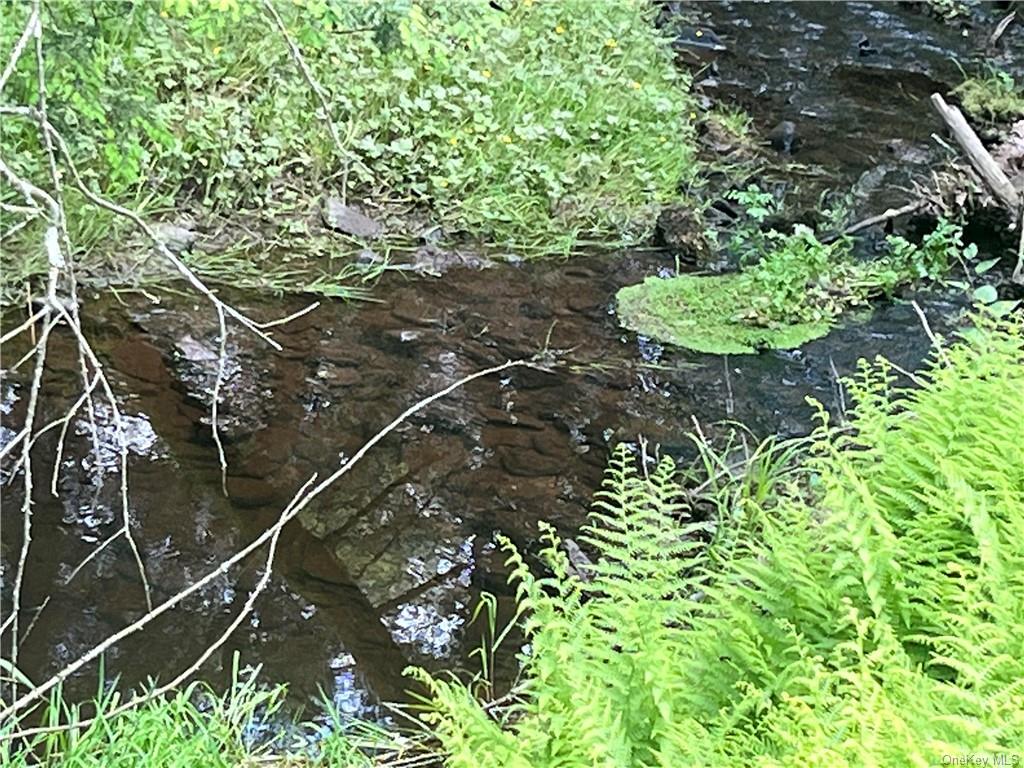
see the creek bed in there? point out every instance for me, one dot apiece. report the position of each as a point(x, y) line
point(385, 570)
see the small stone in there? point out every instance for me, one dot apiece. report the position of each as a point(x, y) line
point(348, 219)
point(176, 238)
point(783, 137)
point(368, 257)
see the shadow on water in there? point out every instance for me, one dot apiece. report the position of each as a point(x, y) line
point(384, 571)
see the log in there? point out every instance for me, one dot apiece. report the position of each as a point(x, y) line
point(976, 153)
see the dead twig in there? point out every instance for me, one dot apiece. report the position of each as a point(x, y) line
point(940, 349)
point(881, 218)
point(30, 29)
point(1001, 27)
point(31, 321)
point(299, 502)
point(1018, 271)
point(317, 89)
point(222, 354)
point(977, 155)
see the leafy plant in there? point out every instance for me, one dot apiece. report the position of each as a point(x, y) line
point(757, 204)
point(993, 95)
point(866, 611)
point(531, 127)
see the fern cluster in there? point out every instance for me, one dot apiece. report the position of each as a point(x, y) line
point(868, 611)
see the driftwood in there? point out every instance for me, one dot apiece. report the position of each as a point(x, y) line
point(978, 156)
point(882, 218)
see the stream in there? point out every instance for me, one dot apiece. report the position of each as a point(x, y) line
point(384, 570)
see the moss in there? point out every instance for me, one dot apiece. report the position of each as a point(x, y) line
point(996, 96)
point(703, 314)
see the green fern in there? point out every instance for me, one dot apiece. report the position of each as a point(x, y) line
point(877, 619)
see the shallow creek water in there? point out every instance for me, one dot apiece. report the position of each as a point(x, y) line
point(384, 570)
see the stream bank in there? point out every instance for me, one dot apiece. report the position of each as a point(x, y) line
point(386, 571)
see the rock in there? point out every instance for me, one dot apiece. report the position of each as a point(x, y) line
point(783, 137)
point(520, 463)
point(681, 230)
point(348, 219)
point(431, 234)
point(177, 237)
point(503, 417)
point(697, 44)
point(195, 351)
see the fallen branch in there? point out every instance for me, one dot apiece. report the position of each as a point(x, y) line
point(299, 502)
point(977, 155)
point(881, 218)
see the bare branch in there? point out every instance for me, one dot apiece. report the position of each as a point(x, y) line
point(19, 47)
point(26, 507)
point(299, 502)
point(940, 349)
point(314, 84)
point(32, 320)
point(222, 354)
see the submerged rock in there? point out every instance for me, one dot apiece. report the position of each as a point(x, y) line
point(783, 137)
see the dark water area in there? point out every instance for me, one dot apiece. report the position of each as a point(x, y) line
point(385, 570)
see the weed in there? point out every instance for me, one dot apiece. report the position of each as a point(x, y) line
point(993, 95)
point(531, 127)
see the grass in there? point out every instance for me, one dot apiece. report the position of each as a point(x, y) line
point(535, 128)
point(858, 603)
point(195, 727)
point(993, 95)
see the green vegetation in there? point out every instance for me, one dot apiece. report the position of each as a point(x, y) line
point(699, 313)
point(793, 294)
point(948, 10)
point(193, 728)
point(993, 96)
point(530, 128)
point(852, 599)
point(864, 607)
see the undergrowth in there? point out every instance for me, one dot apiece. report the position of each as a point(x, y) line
point(993, 95)
point(530, 126)
point(793, 291)
point(868, 610)
point(193, 728)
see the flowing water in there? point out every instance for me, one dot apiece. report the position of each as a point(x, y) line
point(384, 571)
